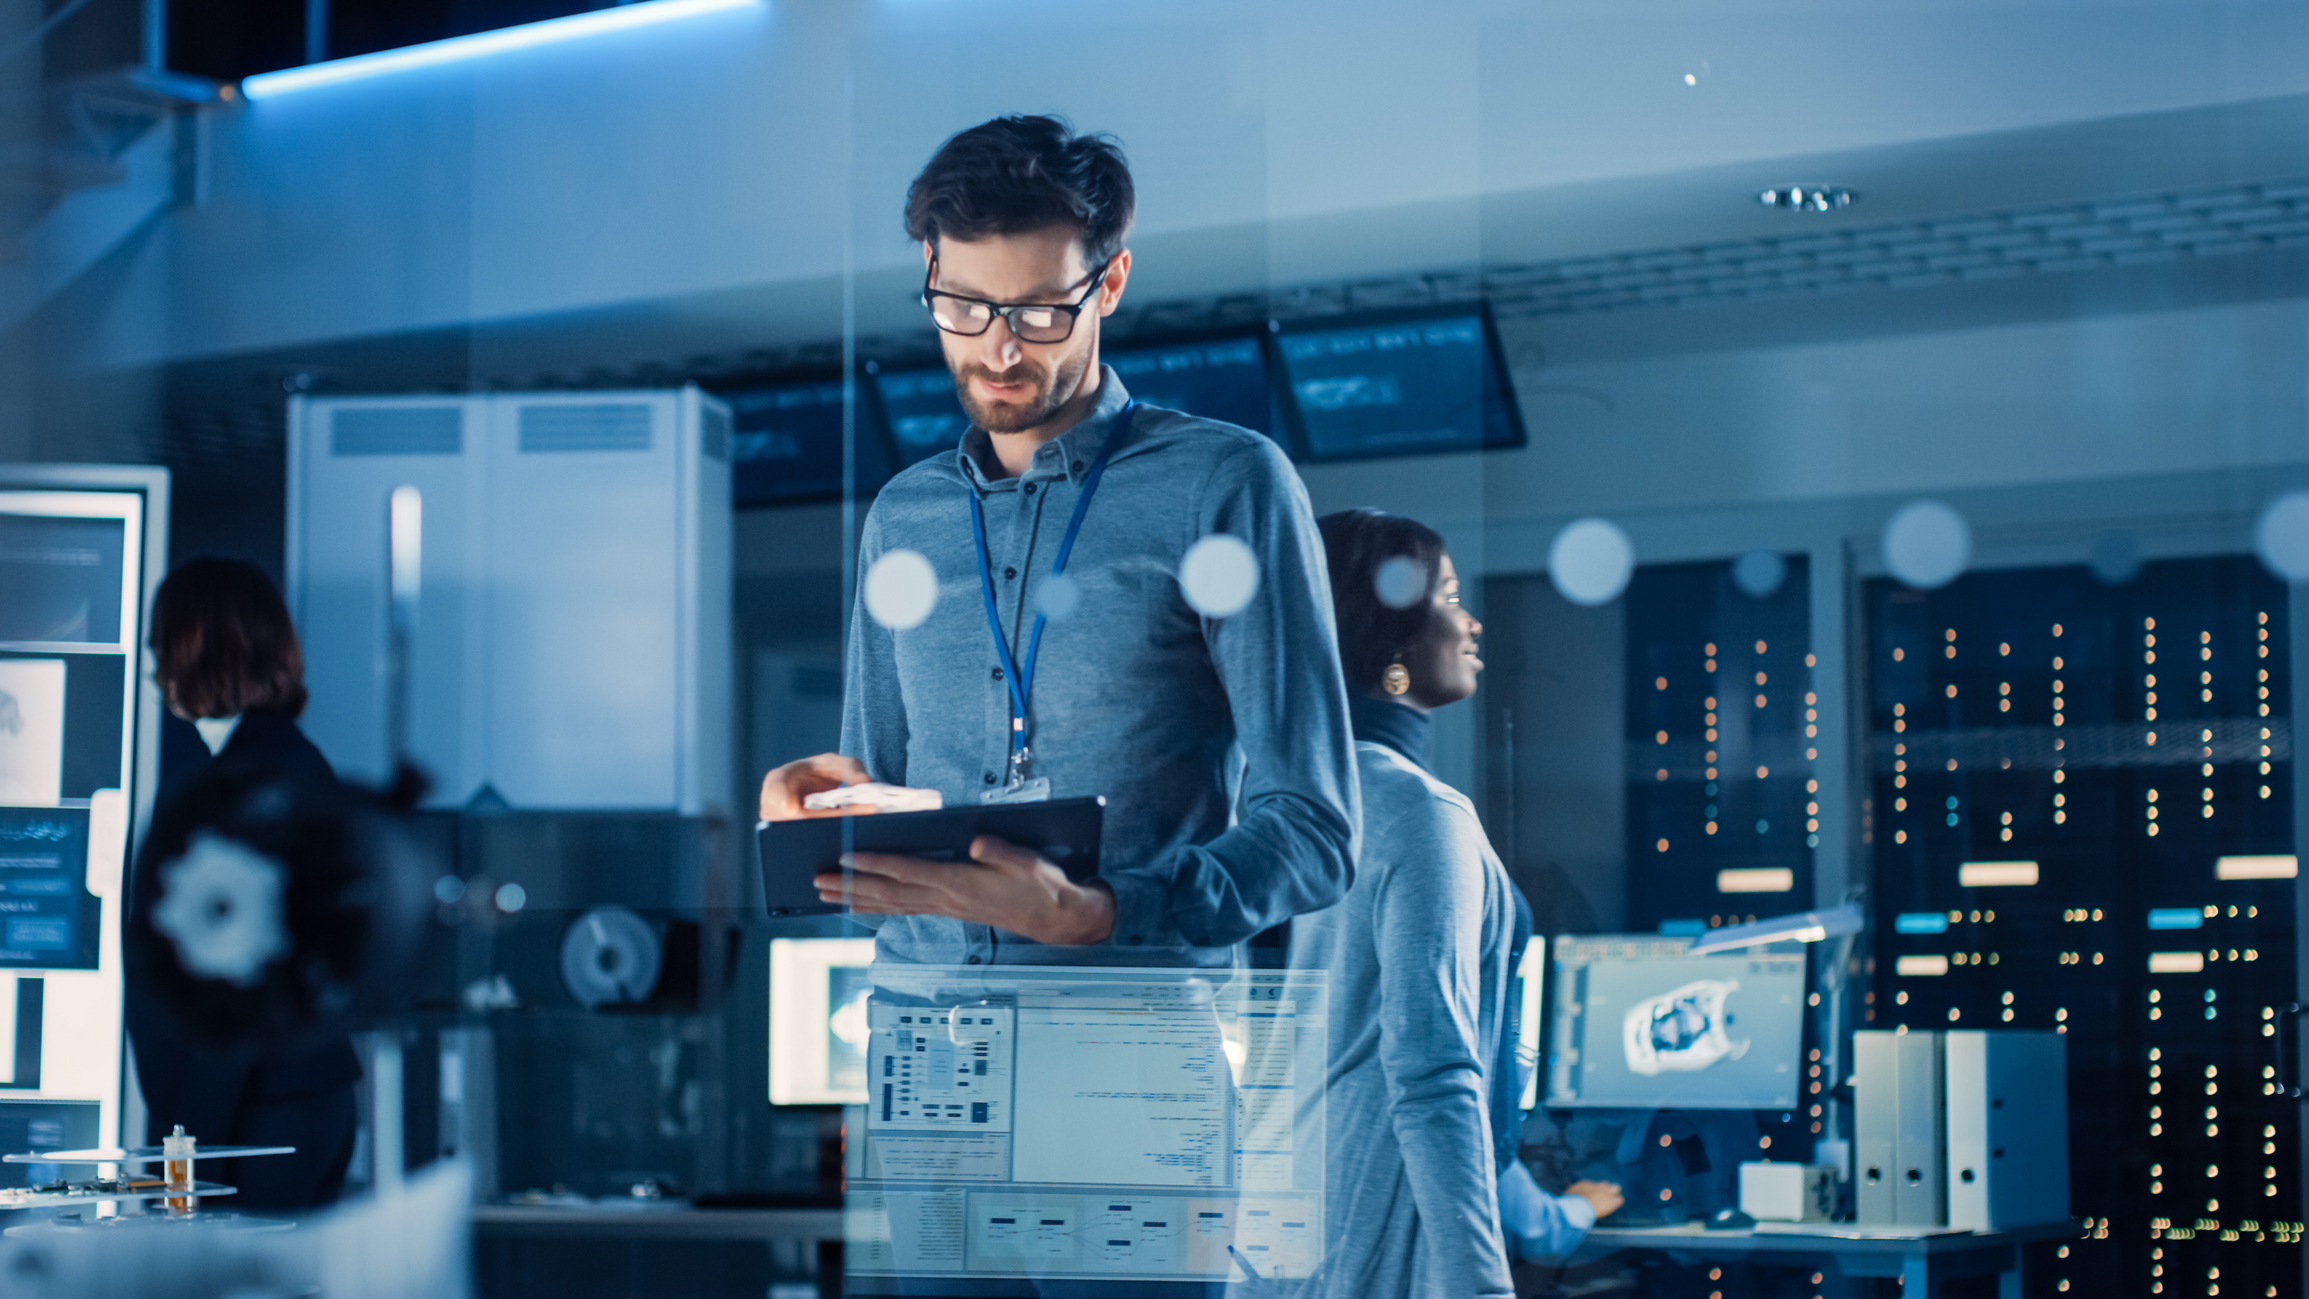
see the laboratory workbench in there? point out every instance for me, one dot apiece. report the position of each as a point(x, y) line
point(657, 1221)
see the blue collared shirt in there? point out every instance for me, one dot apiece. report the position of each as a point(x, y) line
point(1136, 697)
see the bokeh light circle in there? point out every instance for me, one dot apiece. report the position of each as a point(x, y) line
point(1590, 561)
point(1058, 597)
point(1927, 544)
point(1759, 573)
point(2116, 558)
point(2282, 536)
point(1400, 582)
point(901, 590)
point(1219, 576)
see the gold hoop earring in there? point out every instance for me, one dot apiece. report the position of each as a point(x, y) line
point(1396, 680)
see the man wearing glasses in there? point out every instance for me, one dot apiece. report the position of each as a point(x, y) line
point(1062, 657)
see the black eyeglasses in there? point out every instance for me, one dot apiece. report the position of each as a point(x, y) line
point(1032, 322)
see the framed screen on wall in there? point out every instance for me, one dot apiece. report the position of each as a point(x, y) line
point(1216, 378)
point(924, 415)
point(1410, 383)
point(787, 438)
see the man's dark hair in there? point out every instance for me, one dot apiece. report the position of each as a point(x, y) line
point(1372, 633)
point(1016, 174)
point(222, 642)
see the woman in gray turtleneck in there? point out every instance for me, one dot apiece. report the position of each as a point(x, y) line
point(1419, 957)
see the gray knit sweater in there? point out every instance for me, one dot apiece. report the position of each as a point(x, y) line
point(1418, 957)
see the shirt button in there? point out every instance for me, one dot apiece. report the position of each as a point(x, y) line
point(1078, 466)
point(989, 777)
point(998, 674)
point(1030, 489)
point(1009, 574)
point(974, 960)
point(1134, 940)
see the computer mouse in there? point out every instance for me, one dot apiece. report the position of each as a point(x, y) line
point(1729, 1220)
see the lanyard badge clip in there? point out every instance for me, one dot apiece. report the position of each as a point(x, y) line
point(1019, 789)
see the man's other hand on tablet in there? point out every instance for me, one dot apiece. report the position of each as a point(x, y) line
point(784, 788)
point(1003, 885)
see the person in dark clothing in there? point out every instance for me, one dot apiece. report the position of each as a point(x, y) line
point(226, 659)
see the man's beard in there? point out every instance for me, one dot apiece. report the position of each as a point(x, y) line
point(1036, 410)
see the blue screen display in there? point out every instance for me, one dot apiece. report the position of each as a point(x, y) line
point(786, 444)
point(1222, 379)
point(1403, 387)
point(925, 416)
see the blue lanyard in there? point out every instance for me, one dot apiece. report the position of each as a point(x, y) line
point(1021, 678)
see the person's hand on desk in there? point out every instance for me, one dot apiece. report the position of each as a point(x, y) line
point(1603, 1197)
point(784, 788)
point(1002, 885)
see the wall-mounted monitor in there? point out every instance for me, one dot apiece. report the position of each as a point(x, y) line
point(80, 550)
point(1216, 378)
point(1413, 383)
point(925, 416)
point(787, 442)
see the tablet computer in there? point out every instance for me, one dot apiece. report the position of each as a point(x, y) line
point(1065, 830)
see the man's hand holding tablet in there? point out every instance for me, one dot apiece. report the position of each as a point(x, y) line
point(1002, 885)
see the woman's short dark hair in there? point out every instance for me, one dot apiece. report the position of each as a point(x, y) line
point(1373, 633)
point(222, 642)
point(1016, 174)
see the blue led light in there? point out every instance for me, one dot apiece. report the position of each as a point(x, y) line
point(459, 48)
point(1683, 928)
point(1921, 922)
point(2176, 918)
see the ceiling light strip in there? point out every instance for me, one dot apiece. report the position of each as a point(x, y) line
point(457, 49)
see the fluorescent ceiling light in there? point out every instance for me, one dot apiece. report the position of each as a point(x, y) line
point(1802, 927)
point(1996, 874)
point(458, 48)
point(2257, 868)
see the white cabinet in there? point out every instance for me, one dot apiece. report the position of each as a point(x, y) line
point(573, 638)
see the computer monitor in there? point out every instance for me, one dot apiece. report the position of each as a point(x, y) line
point(1640, 1023)
point(818, 993)
point(1216, 378)
point(1405, 384)
point(924, 414)
point(787, 443)
point(1531, 1002)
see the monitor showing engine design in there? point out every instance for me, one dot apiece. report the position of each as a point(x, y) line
point(1639, 1023)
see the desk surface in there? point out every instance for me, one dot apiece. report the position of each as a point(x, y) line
point(1825, 1238)
point(660, 1221)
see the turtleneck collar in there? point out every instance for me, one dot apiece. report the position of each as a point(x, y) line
point(1399, 726)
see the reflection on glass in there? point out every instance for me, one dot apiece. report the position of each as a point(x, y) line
point(1092, 1124)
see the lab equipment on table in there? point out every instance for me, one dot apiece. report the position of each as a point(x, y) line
point(176, 1153)
point(1787, 1192)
